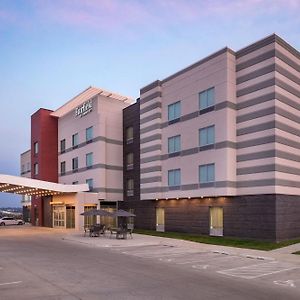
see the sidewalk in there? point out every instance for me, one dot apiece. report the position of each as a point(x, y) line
point(282, 254)
point(288, 250)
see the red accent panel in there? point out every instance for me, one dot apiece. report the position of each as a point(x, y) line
point(37, 211)
point(44, 131)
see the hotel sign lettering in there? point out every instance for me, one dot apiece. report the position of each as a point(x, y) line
point(84, 109)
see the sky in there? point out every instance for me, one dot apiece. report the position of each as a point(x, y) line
point(51, 50)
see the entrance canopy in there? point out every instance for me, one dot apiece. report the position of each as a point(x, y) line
point(33, 187)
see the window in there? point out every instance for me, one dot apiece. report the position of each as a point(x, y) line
point(174, 144)
point(23, 169)
point(129, 161)
point(207, 173)
point(90, 183)
point(75, 140)
point(174, 177)
point(89, 134)
point(75, 164)
point(207, 98)
point(206, 136)
point(36, 169)
point(89, 160)
point(63, 146)
point(174, 111)
point(75, 182)
point(129, 135)
point(36, 148)
point(63, 167)
point(130, 187)
point(90, 220)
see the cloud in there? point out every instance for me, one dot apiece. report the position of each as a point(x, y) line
point(140, 15)
point(107, 15)
point(117, 14)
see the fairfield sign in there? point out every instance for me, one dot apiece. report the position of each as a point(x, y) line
point(84, 109)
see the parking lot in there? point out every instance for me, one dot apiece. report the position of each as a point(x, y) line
point(40, 263)
point(267, 269)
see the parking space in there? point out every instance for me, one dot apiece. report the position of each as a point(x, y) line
point(189, 258)
point(242, 267)
point(259, 270)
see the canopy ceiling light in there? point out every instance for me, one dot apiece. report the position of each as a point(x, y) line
point(33, 187)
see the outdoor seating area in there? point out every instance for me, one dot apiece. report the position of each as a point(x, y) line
point(98, 230)
point(122, 231)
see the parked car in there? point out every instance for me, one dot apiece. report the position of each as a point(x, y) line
point(10, 221)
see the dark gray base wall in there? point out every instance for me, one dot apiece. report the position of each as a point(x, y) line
point(247, 217)
point(262, 217)
point(144, 211)
point(287, 217)
point(268, 217)
point(252, 217)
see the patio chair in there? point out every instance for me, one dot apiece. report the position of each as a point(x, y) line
point(86, 229)
point(113, 231)
point(130, 229)
point(102, 229)
point(95, 231)
point(129, 232)
point(121, 233)
point(99, 229)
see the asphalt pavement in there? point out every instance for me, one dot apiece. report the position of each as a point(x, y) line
point(40, 263)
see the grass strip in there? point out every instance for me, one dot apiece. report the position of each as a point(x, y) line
point(222, 241)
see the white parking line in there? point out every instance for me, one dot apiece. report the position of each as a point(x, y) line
point(209, 256)
point(147, 251)
point(10, 283)
point(185, 253)
point(289, 283)
point(201, 267)
point(161, 253)
point(258, 270)
point(193, 258)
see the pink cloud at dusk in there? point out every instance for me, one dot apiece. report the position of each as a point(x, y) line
point(120, 12)
point(111, 15)
point(104, 14)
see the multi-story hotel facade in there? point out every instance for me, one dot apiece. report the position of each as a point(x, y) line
point(220, 146)
point(79, 143)
point(212, 149)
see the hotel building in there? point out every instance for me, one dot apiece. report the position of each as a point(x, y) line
point(79, 143)
point(220, 144)
point(213, 149)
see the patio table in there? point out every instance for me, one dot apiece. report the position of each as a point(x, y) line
point(119, 232)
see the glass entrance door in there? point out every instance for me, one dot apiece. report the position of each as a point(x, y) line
point(70, 210)
point(160, 219)
point(216, 221)
point(59, 216)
